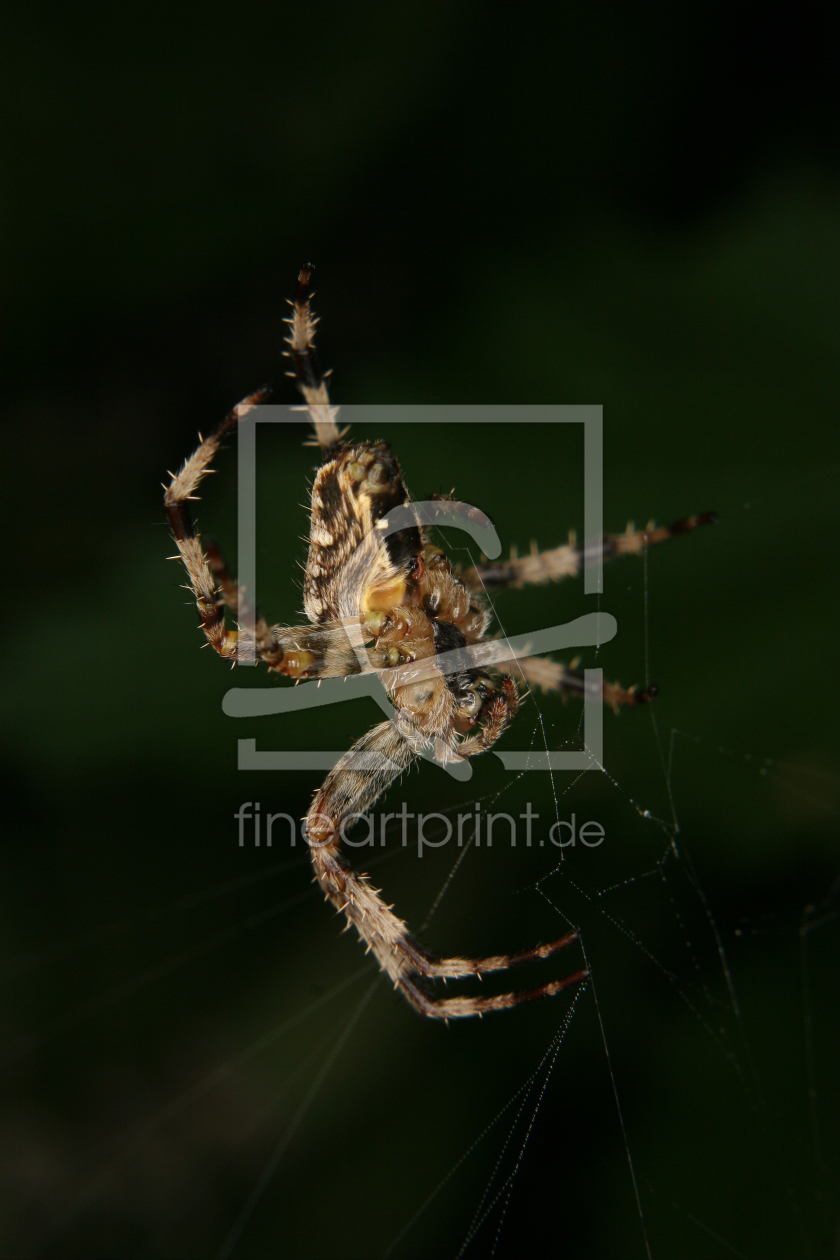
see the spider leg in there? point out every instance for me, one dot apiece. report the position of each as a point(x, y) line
point(183, 486)
point(214, 588)
point(312, 651)
point(327, 650)
point(360, 777)
point(242, 609)
point(458, 968)
point(549, 675)
point(352, 786)
point(468, 1007)
point(565, 562)
point(356, 782)
point(181, 490)
point(310, 380)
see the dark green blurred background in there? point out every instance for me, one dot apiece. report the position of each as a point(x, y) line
point(606, 206)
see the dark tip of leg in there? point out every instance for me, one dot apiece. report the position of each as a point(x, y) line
point(692, 522)
point(559, 985)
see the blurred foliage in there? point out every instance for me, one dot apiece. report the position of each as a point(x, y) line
point(639, 208)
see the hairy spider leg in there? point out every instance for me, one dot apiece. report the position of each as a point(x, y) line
point(354, 785)
point(551, 675)
point(323, 651)
point(180, 491)
point(310, 380)
point(467, 1007)
point(566, 561)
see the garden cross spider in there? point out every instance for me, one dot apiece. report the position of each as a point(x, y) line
point(384, 602)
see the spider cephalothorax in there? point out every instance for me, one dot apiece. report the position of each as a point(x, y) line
point(380, 597)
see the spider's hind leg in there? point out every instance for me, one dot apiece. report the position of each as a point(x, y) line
point(354, 784)
point(469, 1007)
point(459, 968)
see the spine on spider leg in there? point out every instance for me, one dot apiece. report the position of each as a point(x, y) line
point(301, 343)
point(385, 935)
point(180, 491)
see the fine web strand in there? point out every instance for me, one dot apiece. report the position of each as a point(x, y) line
point(507, 1187)
point(127, 1144)
point(618, 1108)
point(21, 964)
point(232, 1238)
point(521, 1096)
point(673, 853)
point(641, 881)
point(123, 1147)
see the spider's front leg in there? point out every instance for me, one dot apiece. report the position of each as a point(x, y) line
point(264, 636)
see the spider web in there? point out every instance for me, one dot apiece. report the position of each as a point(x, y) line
point(680, 1102)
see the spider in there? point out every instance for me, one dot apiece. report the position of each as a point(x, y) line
point(389, 602)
